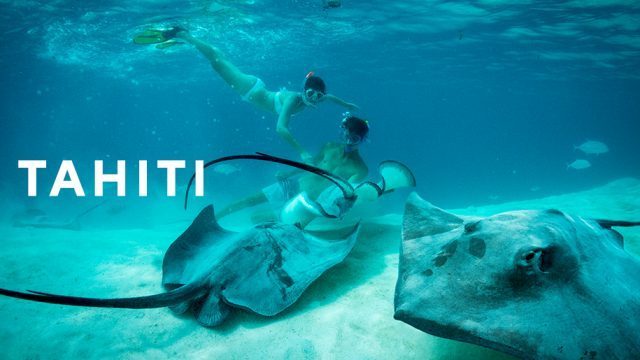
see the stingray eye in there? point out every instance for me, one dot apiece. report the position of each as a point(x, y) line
point(538, 265)
point(530, 256)
point(537, 260)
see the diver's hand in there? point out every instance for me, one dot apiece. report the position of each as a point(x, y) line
point(306, 158)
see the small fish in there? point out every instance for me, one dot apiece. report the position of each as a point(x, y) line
point(332, 4)
point(226, 169)
point(579, 164)
point(593, 147)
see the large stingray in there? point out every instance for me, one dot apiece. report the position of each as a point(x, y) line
point(209, 270)
point(534, 284)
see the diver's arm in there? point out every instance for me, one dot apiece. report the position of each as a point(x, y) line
point(282, 128)
point(340, 102)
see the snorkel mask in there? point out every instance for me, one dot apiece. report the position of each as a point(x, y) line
point(311, 96)
point(349, 138)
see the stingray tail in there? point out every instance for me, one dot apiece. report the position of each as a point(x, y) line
point(170, 298)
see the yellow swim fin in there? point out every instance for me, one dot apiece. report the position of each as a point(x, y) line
point(156, 36)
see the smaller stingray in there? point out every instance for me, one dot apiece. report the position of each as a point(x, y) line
point(332, 204)
point(210, 270)
point(36, 218)
point(341, 198)
point(534, 284)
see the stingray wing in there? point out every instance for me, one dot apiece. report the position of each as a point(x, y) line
point(200, 244)
point(421, 218)
point(279, 265)
point(395, 175)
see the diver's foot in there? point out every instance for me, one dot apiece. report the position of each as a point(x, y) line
point(173, 32)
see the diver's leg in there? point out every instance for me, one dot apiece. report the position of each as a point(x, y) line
point(238, 80)
point(250, 201)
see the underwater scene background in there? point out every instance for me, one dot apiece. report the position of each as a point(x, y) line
point(480, 100)
point(485, 101)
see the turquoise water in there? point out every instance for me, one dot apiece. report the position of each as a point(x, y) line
point(484, 101)
point(481, 100)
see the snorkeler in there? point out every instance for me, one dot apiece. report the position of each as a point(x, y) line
point(342, 159)
point(284, 103)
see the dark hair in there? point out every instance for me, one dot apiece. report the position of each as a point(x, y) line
point(356, 126)
point(315, 83)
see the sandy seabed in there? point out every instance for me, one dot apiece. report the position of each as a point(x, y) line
point(346, 314)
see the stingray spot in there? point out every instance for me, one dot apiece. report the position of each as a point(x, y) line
point(428, 272)
point(446, 252)
point(471, 227)
point(285, 278)
point(440, 260)
point(450, 248)
point(477, 247)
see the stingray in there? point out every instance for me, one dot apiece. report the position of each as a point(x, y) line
point(533, 284)
point(210, 270)
point(337, 199)
point(36, 218)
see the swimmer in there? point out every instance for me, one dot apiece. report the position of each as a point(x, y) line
point(342, 159)
point(283, 103)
